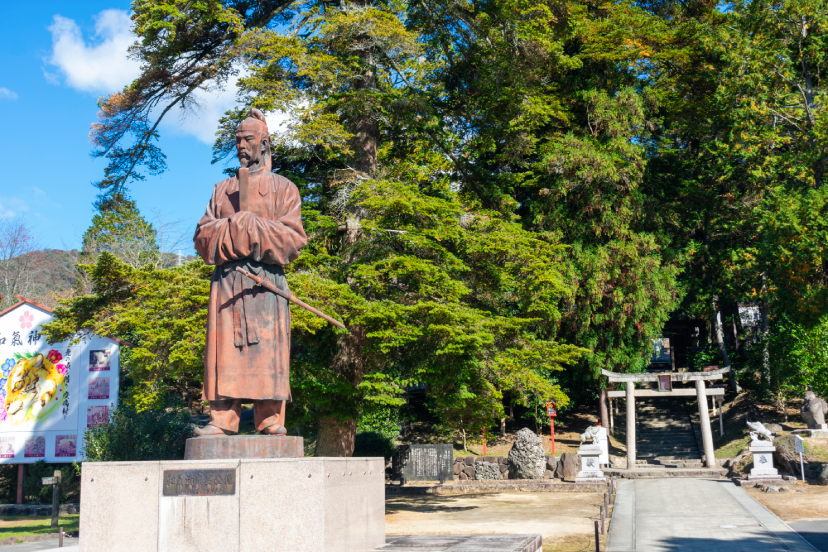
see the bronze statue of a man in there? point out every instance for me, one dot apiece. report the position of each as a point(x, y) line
point(248, 327)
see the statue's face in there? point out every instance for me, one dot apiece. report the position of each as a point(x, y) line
point(249, 147)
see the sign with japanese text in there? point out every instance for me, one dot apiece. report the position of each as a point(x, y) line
point(551, 409)
point(49, 394)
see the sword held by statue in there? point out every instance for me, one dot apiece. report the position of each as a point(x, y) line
point(268, 285)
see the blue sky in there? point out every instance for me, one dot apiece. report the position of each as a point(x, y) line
point(56, 59)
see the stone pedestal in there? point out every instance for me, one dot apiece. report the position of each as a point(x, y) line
point(291, 505)
point(816, 433)
point(763, 461)
point(226, 447)
point(590, 456)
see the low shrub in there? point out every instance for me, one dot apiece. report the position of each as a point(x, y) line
point(131, 434)
point(374, 443)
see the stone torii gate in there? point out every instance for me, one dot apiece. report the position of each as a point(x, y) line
point(701, 393)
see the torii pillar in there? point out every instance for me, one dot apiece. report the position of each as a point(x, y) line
point(630, 425)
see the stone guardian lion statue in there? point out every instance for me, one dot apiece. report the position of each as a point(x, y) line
point(813, 411)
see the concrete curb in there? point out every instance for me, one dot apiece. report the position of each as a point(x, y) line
point(474, 487)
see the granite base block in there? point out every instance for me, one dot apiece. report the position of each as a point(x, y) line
point(295, 505)
point(227, 447)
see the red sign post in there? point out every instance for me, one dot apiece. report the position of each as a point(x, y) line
point(552, 411)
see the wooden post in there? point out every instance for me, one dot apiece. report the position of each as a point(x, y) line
point(601, 509)
point(56, 500)
point(21, 475)
point(597, 538)
point(612, 420)
point(60, 537)
point(631, 425)
point(704, 421)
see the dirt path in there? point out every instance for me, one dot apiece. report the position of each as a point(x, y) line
point(566, 520)
point(804, 503)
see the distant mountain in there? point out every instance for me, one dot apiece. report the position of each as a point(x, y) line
point(53, 275)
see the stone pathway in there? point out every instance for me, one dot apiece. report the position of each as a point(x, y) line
point(689, 515)
point(462, 543)
point(69, 545)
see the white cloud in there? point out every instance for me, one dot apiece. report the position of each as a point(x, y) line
point(102, 64)
point(12, 206)
point(6, 94)
point(202, 120)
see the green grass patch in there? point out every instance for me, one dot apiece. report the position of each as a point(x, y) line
point(731, 445)
point(23, 526)
point(816, 450)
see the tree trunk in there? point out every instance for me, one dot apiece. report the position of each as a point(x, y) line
point(730, 313)
point(765, 315)
point(537, 428)
point(602, 397)
point(503, 427)
point(335, 437)
point(715, 327)
point(719, 335)
point(365, 125)
point(463, 431)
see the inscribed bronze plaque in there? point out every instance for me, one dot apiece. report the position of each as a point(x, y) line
point(199, 482)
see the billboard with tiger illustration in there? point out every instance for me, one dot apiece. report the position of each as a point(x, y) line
point(50, 393)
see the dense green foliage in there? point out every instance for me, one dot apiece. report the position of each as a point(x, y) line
point(162, 312)
point(373, 443)
point(131, 434)
point(502, 198)
point(35, 492)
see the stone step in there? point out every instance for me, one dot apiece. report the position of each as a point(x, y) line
point(664, 446)
point(651, 472)
point(666, 442)
point(691, 444)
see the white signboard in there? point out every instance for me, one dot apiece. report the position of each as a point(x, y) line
point(49, 394)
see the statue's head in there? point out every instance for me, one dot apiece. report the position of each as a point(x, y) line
point(809, 395)
point(253, 141)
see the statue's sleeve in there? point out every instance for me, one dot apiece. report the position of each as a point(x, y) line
point(248, 236)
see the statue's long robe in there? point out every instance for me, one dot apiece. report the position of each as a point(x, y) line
point(247, 351)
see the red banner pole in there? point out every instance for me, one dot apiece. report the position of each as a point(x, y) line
point(552, 432)
point(484, 441)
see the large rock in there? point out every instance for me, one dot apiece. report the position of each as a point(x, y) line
point(527, 459)
point(774, 428)
point(568, 466)
point(486, 470)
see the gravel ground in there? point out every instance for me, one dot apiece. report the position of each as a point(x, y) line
point(565, 520)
